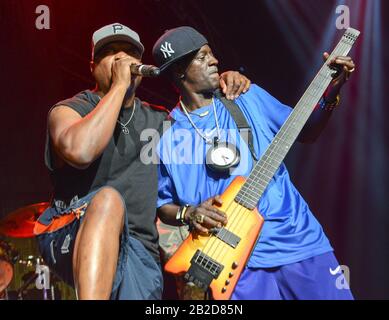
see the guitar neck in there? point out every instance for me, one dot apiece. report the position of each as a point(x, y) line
point(264, 170)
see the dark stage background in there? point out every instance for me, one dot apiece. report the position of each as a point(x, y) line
point(277, 44)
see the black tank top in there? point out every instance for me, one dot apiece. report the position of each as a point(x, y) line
point(119, 166)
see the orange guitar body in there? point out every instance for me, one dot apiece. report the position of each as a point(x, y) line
point(243, 223)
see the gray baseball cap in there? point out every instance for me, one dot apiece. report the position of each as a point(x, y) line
point(112, 33)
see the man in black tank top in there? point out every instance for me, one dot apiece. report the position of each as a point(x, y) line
point(99, 234)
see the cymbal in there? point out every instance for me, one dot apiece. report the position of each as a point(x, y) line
point(20, 223)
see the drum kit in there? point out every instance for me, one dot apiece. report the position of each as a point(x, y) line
point(23, 273)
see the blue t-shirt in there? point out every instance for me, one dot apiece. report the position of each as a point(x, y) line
point(290, 233)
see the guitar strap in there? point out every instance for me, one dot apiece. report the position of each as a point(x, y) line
point(241, 122)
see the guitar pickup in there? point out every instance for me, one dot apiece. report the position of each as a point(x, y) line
point(226, 236)
point(203, 270)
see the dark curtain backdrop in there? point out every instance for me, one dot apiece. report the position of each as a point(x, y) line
point(277, 44)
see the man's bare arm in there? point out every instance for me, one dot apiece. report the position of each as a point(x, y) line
point(79, 141)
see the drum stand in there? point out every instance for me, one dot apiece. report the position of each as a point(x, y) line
point(42, 282)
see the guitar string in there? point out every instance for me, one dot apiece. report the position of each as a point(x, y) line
point(236, 214)
point(296, 119)
point(340, 47)
point(271, 151)
point(242, 208)
point(342, 50)
point(227, 248)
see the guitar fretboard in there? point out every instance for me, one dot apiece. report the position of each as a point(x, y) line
point(267, 166)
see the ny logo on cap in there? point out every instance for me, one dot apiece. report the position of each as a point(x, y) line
point(167, 49)
point(117, 27)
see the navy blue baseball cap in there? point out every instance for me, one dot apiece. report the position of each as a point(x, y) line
point(175, 44)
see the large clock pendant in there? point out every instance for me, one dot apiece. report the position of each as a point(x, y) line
point(222, 156)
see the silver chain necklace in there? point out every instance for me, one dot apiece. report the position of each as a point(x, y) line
point(207, 140)
point(221, 156)
point(124, 125)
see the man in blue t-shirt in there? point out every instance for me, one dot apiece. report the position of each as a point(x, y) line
point(293, 257)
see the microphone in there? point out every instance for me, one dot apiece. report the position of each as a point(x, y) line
point(145, 70)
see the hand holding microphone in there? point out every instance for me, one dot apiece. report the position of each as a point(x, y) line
point(120, 72)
